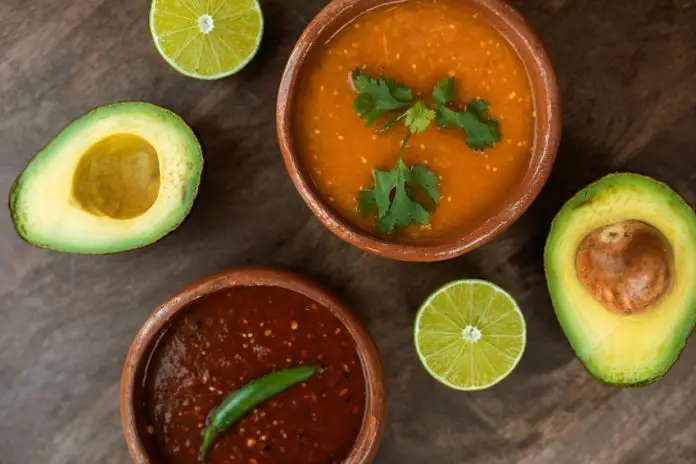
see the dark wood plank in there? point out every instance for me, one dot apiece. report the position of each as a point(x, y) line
point(626, 70)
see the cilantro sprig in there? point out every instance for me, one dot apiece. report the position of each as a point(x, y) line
point(481, 131)
point(378, 96)
point(394, 198)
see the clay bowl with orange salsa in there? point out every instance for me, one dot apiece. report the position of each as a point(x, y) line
point(218, 335)
point(487, 50)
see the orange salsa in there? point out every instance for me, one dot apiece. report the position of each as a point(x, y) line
point(417, 43)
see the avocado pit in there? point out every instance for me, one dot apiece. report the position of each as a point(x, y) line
point(118, 177)
point(627, 267)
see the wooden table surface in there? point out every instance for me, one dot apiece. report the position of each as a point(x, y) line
point(627, 72)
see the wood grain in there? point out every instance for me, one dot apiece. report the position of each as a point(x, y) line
point(626, 71)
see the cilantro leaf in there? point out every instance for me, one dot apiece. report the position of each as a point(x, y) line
point(481, 131)
point(446, 117)
point(378, 96)
point(418, 117)
point(392, 196)
point(424, 178)
point(444, 91)
point(477, 106)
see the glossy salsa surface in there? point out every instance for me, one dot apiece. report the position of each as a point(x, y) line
point(225, 340)
point(416, 42)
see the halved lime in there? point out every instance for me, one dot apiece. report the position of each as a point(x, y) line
point(207, 39)
point(470, 334)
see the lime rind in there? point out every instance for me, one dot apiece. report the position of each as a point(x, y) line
point(449, 339)
point(256, 8)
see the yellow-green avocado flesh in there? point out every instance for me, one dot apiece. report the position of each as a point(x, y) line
point(120, 177)
point(620, 349)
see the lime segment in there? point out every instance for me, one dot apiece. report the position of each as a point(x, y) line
point(207, 39)
point(470, 334)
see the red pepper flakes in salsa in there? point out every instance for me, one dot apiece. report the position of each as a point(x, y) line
point(225, 340)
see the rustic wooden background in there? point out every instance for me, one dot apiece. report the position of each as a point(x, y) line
point(627, 70)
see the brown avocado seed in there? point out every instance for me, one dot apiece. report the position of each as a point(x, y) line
point(627, 267)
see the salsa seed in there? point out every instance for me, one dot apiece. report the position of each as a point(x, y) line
point(251, 442)
point(150, 429)
point(267, 332)
point(253, 461)
point(263, 437)
point(293, 324)
point(288, 360)
point(343, 392)
point(337, 331)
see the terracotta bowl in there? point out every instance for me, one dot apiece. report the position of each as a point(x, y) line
point(546, 98)
point(368, 439)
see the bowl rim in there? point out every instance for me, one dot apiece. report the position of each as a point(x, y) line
point(519, 35)
point(366, 443)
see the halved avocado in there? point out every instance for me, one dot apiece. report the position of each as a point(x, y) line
point(620, 264)
point(120, 177)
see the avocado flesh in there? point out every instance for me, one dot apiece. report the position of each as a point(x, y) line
point(120, 177)
point(618, 349)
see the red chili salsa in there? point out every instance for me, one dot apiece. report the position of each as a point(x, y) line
point(225, 340)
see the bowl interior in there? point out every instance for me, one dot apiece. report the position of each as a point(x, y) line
point(547, 129)
point(133, 380)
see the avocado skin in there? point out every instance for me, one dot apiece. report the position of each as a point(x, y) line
point(581, 199)
point(133, 105)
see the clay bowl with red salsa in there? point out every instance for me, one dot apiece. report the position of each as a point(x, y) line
point(219, 334)
point(491, 54)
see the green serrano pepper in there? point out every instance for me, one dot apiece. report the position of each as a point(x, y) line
point(241, 401)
